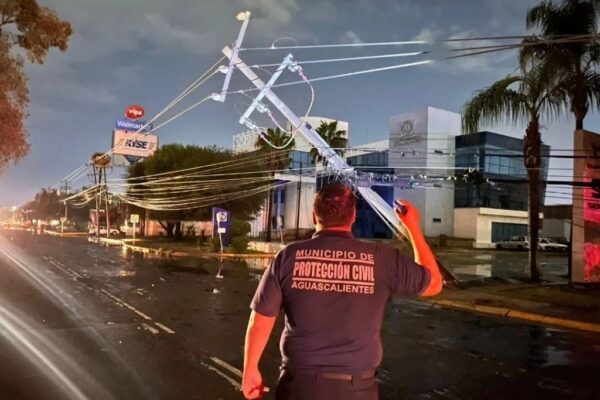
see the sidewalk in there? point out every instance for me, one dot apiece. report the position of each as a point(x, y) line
point(547, 303)
point(552, 304)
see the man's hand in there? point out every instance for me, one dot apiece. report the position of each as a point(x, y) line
point(407, 213)
point(252, 384)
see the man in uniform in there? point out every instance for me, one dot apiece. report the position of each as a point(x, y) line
point(333, 290)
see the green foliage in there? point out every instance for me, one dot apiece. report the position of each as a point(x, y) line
point(240, 244)
point(214, 244)
point(240, 228)
point(514, 99)
point(182, 164)
point(46, 205)
point(334, 137)
point(275, 159)
point(31, 30)
point(574, 63)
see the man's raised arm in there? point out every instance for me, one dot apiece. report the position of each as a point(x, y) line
point(408, 214)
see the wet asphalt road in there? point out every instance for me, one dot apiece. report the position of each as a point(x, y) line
point(79, 321)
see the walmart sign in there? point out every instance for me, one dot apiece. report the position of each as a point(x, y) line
point(125, 124)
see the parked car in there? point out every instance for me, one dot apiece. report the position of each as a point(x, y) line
point(113, 231)
point(547, 244)
point(514, 243)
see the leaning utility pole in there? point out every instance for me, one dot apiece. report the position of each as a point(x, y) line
point(334, 161)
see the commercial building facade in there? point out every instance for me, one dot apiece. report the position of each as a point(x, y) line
point(465, 186)
point(296, 186)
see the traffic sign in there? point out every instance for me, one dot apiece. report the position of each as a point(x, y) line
point(63, 219)
point(134, 218)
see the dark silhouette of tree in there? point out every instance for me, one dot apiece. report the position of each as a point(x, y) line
point(275, 160)
point(34, 30)
point(517, 98)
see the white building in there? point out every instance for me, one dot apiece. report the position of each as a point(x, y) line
point(421, 144)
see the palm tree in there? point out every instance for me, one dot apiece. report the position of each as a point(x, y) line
point(336, 139)
point(277, 145)
point(574, 62)
point(517, 98)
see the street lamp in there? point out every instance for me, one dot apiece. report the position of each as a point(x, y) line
point(14, 208)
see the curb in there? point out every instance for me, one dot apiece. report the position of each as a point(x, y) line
point(65, 234)
point(516, 314)
point(146, 250)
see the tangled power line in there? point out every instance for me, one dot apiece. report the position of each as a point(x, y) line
point(191, 188)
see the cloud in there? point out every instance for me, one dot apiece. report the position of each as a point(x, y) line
point(349, 37)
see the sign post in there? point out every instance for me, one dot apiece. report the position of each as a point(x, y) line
point(134, 219)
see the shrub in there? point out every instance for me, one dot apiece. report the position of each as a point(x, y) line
point(214, 244)
point(240, 244)
point(239, 228)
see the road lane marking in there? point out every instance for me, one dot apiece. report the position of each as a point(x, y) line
point(229, 379)
point(125, 304)
point(152, 330)
point(68, 271)
point(227, 366)
point(164, 328)
point(111, 296)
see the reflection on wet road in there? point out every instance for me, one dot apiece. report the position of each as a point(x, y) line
point(112, 324)
point(469, 265)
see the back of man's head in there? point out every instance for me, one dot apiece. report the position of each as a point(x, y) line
point(334, 206)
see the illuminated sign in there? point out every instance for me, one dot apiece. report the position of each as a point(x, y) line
point(585, 243)
point(134, 144)
point(125, 124)
point(134, 111)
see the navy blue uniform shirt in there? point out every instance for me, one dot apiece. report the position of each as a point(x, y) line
point(333, 290)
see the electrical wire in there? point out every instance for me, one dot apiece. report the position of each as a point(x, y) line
point(400, 43)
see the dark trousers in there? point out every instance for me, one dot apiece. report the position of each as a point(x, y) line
point(301, 385)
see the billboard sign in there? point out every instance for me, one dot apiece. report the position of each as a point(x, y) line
point(134, 144)
point(125, 124)
point(134, 111)
point(221, 220)
point(585, 241)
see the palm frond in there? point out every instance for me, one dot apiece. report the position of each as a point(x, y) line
point(592, 86)
point(541, 15)
point(495, 104)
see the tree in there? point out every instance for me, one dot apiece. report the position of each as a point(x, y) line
point(191, 181)
point(45, 205)
point(336, 139)
point(517, 98)
point(35, 30)
point(574, 63)
point(276, 147)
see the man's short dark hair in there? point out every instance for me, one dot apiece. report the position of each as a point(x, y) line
point(334, 205)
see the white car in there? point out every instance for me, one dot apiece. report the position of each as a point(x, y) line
point(113, 231)
point(514, 243)
point(546, 244)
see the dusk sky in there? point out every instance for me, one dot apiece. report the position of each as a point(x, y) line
point(147, 52)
